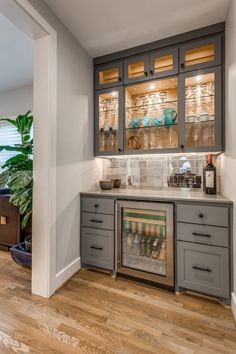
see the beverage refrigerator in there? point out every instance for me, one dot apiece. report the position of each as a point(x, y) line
point(144, 242)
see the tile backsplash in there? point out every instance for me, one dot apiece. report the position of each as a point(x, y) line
point(152, 171)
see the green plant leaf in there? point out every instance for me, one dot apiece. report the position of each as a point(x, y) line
point(25, 220)
point(9, 120)
point(20, 179)
point(18, 170)
point(26, 149)
point(26, 138)
point(4, 177)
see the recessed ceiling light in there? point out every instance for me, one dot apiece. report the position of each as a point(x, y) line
point(198, 78)
point(152, 86)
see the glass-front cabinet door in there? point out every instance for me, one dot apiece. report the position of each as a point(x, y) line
point(151, 116)
point(164, 63)
point(145, 240)
point(109, 75)
point(109, 122)
point(200, 54)
point(202, 111)
point(136, 69)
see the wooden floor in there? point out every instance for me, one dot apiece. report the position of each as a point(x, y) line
point(93, 313)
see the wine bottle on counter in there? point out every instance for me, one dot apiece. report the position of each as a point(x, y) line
point(209, 176)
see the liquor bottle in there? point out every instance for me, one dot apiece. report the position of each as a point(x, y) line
point(209, 176)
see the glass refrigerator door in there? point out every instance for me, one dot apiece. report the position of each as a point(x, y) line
point(143, 240)
point(200, 110)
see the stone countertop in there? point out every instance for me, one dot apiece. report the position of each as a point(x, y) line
point(170, 194)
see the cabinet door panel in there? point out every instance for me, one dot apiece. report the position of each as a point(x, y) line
point(98, 248)
point(200, 54)
point(136, 69)
point(151, 116)
point(203, 268)
point(108, 75)
point(164, 63)
point(201, 111)
point(109, 122)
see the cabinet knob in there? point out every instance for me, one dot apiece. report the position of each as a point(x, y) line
point(119, 150)
point(119, 79)
point(151, 72)
point(201, 215)
point(96, 205)
point(146, 73)
point(182, 146)
point(182, 65)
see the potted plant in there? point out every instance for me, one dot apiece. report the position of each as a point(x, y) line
point(17, 175)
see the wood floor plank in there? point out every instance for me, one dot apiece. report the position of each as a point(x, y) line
point(93, 313)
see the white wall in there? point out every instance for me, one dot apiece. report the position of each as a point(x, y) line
point(17, 101)
point(76, 169)
point(229, 158)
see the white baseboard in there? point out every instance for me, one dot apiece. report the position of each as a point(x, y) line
point(233, 305)
point(67, 272)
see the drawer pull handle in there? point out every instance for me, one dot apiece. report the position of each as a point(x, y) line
point(200, 215)
point(202, 269)
point(96, 205)
point(202, 235)
point(98, 221)
point(96, 248)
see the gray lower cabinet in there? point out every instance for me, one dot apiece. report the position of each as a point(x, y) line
point(98, 248)
point(203, 214)
point(203, 253)
point(98, 232)
point(208, 235)
point(203, 268)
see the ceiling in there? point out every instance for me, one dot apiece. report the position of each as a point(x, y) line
point(16, 59)
point(106, 26)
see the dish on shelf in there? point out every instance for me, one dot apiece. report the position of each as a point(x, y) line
point(106, 185)
point(203, 117)
point(170, 116)
point(191, 118)
point(134, 143)
point(116, 182)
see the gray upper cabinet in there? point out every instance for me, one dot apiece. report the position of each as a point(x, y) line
point(163, 63)
point(155, 65)
point(200, 110)
point(165, 100)
point(200, 54)
point(109, 75)
point(136, 69)
point(109, 121)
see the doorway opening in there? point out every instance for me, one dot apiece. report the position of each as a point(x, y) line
point(28, 23)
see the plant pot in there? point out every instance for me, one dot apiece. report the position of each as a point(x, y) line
point(28, 244)
point(21, 256)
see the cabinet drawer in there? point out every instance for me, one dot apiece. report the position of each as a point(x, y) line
point(99, 221)
point(98, 205)
point(209, 235)
point(98, 248)
point(203, 268)
point(202, 214)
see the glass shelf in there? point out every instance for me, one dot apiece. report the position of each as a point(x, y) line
point(153, 127)
point(150, 265)
point(199, 97)
point(115, 110)
point(152, 104)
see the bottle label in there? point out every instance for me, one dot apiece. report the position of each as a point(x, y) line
point(209, 179)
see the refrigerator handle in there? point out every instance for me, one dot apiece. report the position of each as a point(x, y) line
point(117, 236)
